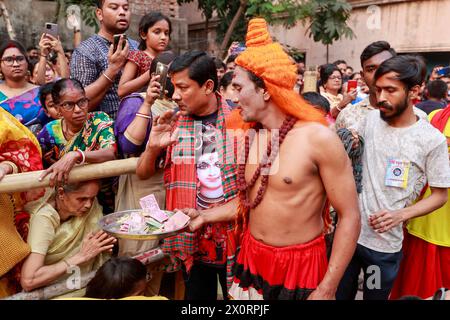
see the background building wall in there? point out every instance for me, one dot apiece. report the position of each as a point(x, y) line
point(409, 26)
point(28, 18)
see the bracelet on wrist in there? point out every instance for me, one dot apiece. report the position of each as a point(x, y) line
point(142, 115)
point(110, 80)
point(82, 155)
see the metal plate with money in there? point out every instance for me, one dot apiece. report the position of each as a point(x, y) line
point(147, 228)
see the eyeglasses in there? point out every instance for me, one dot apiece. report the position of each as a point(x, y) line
point(335, 78)
point(9, 61)
point(69, 105)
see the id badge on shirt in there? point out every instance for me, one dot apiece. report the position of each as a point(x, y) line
point(397, 173)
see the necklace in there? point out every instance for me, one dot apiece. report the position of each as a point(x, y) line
point(268, 159)
point(66, 132)
point(206, 203)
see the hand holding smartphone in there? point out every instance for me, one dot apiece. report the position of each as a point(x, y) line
point(352, 84)
point(162, 70)
point(52, 29)
point(444, 71)
point(117, 39)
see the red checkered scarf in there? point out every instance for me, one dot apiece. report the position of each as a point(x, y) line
point(181, 180)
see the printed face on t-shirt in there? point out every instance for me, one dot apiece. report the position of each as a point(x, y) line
point(209, 175)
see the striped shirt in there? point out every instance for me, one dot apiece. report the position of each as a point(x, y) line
point(89, 61)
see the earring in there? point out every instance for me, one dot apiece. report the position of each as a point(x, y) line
point(1, 76)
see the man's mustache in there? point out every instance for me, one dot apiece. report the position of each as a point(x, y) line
point(384, 105)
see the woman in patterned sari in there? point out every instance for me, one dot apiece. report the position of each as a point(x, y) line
point(78, 137)
point(17, 95)
point(19, 152)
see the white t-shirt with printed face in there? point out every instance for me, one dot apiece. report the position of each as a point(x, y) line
point(397, 163)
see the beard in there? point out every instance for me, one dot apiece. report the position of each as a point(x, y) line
point(397, 109)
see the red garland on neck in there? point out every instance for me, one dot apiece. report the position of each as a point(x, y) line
point(266, 163)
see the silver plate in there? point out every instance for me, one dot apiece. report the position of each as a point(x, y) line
point(108, 222)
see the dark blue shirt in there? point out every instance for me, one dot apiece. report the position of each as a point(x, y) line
point(89, 61)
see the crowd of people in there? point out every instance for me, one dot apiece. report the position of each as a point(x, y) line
point(279, 205)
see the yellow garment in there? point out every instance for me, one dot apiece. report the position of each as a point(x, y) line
point(332, 99)
point(56, 240)
point(434, 227)
point(20, 149)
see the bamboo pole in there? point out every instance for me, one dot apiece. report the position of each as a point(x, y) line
point(61, 287)
point(30, 180)
point(9, 28)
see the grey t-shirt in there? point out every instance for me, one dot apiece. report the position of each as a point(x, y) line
point(397, 163)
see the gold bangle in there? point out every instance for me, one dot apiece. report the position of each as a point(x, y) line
point(142, 115)
point(110, 80)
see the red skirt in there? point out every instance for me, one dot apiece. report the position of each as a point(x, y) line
point(424, 269)
point(278, 273)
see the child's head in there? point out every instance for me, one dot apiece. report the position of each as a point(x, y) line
point(45, 96)
point(118, 278)
point(317, 101)
point(225, 87)
point(154, 30)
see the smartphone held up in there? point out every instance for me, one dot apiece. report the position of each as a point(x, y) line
point(117, 39)
point(351, 85)
point(162, 70)
point(51, 29)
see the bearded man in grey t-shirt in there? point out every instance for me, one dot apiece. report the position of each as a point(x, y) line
point(402, 154)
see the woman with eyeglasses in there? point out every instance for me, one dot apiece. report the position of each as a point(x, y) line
point(17, 95)
point(331, 80)
point(78, 136)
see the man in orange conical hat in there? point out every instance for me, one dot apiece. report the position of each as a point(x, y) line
point(284, 186)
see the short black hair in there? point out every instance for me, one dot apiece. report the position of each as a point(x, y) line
point(375, 48)
point(411, 69)
point(149, 21)
point(13, 44)
point(219, 63)
point(437, 89)
point(327, 70)
point(317, 100)
point(338, 62)
point(99, 3)
point(44, 91)
point(259, 83)
point(116, 279)
point(353, 75)
point(61, 85)
point(201, 67)
point(32, 48)
point(226, 80)
point(231, 58)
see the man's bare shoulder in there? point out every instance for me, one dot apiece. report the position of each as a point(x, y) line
point(313, 131)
